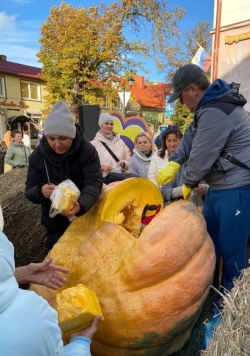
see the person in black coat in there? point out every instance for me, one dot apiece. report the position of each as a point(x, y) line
point(63, 153)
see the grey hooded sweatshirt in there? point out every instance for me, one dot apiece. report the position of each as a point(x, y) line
point(139, 163)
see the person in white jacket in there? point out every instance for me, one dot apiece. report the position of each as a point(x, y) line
point(173, 191)
point(112, 151)
point(28, 324)
point(26, 140)
point(159, 159)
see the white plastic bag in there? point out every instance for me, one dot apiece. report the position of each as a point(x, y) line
point(62, 197)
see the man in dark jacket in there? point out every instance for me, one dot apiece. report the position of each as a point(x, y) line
point(217, 137)
point(64, 153)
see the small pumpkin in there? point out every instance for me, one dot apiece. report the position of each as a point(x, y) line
point(151, 286)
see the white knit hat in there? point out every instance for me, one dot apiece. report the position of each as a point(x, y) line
point(105, 117)
point(60, 121)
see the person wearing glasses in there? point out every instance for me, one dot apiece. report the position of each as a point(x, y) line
point(113, 153)
point(217, 146)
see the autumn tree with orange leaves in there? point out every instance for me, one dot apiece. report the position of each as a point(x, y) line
point(83, 49)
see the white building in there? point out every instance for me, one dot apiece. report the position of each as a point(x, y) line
point(231, 44)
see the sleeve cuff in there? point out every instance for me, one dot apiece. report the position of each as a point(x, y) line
point(176, 193)
point(81, 340)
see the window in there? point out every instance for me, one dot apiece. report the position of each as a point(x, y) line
point(30, 90)
point(35, 122)
point(105, 101)
point(2, 88)
point(117, 104)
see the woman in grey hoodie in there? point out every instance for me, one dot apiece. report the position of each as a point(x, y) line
point(142, 154)
point(17, 154)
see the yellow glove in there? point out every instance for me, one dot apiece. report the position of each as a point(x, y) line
point(167, 174)
point(186, 191)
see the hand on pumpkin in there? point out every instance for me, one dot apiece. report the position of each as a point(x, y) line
point(76, 208)
point(44, 273)
point(186, 191)
point(167, 174)
point(89, 331)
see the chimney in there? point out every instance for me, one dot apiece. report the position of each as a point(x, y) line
point(140, 81)
point(3, 57)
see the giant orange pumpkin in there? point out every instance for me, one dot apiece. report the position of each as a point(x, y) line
point(151, 288)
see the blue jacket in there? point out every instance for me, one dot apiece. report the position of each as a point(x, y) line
point(220, 124)
point(28, 325)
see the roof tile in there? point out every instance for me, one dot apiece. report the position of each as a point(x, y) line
point(22, 70)
point(151, 96)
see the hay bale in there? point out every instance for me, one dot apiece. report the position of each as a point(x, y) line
point(22, 219)
point(232, 336)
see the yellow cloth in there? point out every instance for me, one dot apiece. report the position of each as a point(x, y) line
point(167, 174)
point(186, 191)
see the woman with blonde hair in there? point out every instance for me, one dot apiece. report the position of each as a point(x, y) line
point(142, 154)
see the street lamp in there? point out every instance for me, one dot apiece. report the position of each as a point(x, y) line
point(117, 84)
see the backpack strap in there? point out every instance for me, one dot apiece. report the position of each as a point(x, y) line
point(230, 158)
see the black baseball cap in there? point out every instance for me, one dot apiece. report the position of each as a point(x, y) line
point(184, 76)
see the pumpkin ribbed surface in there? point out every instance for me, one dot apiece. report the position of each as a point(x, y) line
point(151, 289)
